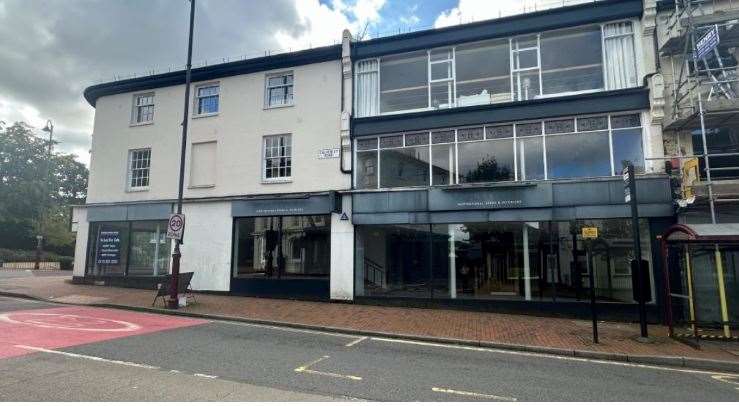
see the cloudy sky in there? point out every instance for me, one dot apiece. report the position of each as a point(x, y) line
point(50, 50)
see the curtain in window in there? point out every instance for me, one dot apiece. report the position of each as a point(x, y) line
point(620, 56)
point(367, 94)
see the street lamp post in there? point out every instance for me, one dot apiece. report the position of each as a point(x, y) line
point(49, 128)
point(173, 302)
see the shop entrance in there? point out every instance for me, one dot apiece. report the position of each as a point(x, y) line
point(282, 256)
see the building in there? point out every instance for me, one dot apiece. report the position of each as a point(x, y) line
point(698, 58)
point(481, 150)
point(462, 164)
point(261, 179)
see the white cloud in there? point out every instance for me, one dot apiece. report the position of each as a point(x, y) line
point(322, 25)
point(476, 10)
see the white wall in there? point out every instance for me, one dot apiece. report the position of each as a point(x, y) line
point(207, 245)
point(313, 121)
point(342, 253)
point(79, 216)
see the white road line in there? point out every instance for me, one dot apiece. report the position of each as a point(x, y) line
point(87, 357)
point(552, 356)
point(291, 329)
point(206, 376)
point(355, 342)
point(109, 361)
point(474, 394)
point(304, 369)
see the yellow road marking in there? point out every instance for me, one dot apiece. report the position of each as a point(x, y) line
point(304, 369)
point(726, 379)
point(474, 394)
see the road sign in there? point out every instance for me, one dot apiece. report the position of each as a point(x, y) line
point(176, 226)
point(707, 43)
point(590, 233)
point(627, 183)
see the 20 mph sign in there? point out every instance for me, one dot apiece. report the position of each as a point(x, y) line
point(176, 226)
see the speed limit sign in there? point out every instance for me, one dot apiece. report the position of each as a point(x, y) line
point(176, 226)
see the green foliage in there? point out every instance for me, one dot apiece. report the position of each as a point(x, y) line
point(31, 184)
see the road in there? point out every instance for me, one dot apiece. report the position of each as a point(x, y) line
point(65, 353)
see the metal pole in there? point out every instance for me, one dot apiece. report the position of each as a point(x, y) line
point(173, 288)
point(591, 276)
point(40, 237)
point(637, 252)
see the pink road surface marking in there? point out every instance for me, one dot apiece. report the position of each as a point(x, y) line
point(61, 327)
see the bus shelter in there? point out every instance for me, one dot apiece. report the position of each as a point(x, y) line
point(702, 294)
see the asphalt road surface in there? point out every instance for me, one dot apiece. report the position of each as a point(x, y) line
point(67, 353)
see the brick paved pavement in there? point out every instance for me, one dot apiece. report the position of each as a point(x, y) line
point(560, 333)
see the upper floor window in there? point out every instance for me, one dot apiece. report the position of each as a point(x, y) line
point(139, 166)
point(577, 147)
point(143, 108)
point(207, 99)
point(279, 91)
point(277, 157)
point(521, 68)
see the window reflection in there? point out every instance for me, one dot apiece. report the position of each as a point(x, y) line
point(528, 261)
point(578, 155)
point(282, 247)
point(404, 167)
point(553, 149)
point(486, 161)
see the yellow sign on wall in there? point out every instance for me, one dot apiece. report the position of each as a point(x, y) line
point(589, 233)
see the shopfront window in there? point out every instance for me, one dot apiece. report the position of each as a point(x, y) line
point(524, 261)
point(393, 261)
point(563, 148)
point(135, 248)
point(282, 247)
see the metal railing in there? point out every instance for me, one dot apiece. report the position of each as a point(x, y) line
point(522, 7)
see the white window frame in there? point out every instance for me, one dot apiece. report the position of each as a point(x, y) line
point(635, 23)
point(130, 169)
point(267, 88)
point(518, 176)
point(196, 99)
point(136, 104)
point(279, 179)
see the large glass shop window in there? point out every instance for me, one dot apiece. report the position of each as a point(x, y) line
point(282, 247)
point(135, 248)
point(525, 261)
point(567, 148)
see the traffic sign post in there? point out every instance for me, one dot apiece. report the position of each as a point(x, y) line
point(589, 234)
point(173, 302)
point(639, 288)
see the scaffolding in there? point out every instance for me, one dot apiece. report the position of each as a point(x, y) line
point(704, 94)
point(699, 47)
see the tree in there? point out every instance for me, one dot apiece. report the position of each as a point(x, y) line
point(488, 170)
point(25, 193)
